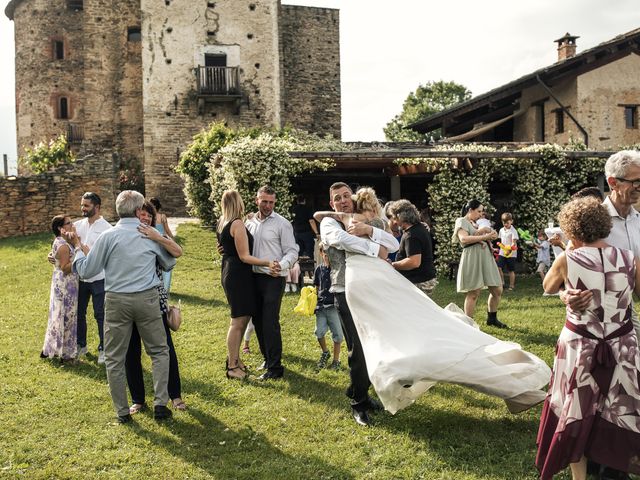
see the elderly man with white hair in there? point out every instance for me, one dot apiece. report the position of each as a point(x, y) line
point(129, 258)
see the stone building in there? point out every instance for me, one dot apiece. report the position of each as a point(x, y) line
point(143, 76)
point(591, 96)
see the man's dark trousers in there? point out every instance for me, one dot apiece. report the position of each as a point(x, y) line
point(269, 291)
point(95, 291)
point(358, 391)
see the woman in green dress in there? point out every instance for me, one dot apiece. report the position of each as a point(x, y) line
point(477, 269)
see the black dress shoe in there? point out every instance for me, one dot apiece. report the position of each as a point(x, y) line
point(374, 405)
point(361, 417)
point(269, 375)
point(161, 412)
point(124, 418)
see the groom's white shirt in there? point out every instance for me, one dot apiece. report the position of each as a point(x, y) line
point(333, 235)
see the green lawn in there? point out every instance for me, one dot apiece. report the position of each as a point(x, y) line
point(58, 422)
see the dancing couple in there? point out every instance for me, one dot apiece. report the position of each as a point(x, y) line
point(400, 340)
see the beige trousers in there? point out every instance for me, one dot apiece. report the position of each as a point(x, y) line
point(122, 310)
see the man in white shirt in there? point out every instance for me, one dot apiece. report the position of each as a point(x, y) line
point(272, 238)
point(88, 230)
point(339, 241)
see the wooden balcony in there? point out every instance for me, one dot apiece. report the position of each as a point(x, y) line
point(75, 133)
point(218, 81)
point(218, 84)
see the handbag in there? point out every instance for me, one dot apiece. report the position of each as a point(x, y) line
point(174, 317)
point(308, 301)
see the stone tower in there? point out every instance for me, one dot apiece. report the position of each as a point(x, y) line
point(144, 76)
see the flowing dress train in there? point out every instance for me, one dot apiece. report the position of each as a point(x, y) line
point(410, 343)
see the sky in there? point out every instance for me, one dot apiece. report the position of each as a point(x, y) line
point(387, 49)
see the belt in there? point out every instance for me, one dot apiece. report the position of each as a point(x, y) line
point(603, 361)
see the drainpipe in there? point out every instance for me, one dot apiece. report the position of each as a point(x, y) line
point(564, 109)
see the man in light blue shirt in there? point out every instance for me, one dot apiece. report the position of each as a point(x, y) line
point(128, 259)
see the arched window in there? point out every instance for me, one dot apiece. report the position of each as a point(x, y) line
point(62, 108)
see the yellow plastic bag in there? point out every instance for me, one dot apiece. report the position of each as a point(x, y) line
point(308, 301)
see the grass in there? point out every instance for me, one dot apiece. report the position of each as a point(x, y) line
point(58, 422)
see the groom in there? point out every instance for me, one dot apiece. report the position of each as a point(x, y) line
point(376, 244)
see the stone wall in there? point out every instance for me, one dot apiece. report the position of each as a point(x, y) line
point(100, 74)
point(311, 68)
point(29, 203)
point(176, 39)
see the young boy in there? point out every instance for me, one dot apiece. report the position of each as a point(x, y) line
point(326, 313)
point(544, 254)
point(507, 259)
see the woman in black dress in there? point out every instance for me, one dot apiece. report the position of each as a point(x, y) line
point(237, 275)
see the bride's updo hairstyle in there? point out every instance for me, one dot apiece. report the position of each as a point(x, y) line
point(367, 201)
point(585, 219)
point(470, 205)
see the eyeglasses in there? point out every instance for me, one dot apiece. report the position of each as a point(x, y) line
point(635, 183)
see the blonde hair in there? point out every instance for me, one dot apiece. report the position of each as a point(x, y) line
point(232, 207)
point(367, 201)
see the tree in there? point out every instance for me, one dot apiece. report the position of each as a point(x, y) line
point(428, 99)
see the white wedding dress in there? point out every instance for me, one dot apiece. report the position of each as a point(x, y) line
point(410, 343)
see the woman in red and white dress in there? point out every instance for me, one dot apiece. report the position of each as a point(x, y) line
point(592, 409)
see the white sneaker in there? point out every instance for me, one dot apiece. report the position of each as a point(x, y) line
point(287, 288)
point(100, 357)
point(82, 351)
point(294, 287)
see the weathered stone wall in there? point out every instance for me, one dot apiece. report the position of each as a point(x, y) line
point(595, 98)
point(602, 94)
point(177, 35)
point(311, 68)
point(40, 78)
point(139, 98)
point(100, 73)
point(30, 202)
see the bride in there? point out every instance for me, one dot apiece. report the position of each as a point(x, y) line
point(410, 343)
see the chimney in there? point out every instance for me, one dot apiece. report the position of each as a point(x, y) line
point(566, 46)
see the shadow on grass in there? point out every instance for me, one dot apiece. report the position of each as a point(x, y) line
point(196, 300)
point(536, 336)
point(223, 452)
point(469, 443)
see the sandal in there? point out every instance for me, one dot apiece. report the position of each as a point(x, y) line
point(178, 404)
point(136, 408)
point(246, 350)
point(234, 377)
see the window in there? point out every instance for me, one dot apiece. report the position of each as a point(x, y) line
point(62, 108)
point(58, 50)
point(75, 5)
point(215, 60)
point(631, 116)
point(559, 121)
point(134, 34)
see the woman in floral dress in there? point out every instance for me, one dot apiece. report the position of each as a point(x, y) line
point(592, 409)
point(60, 340)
